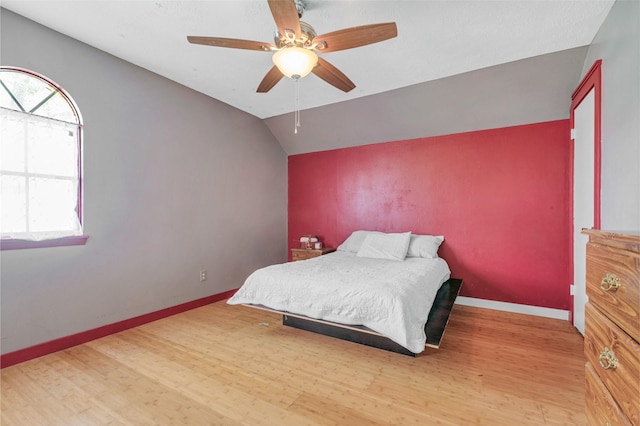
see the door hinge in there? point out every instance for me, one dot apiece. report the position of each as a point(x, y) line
point(571, 290)
point(573, 134)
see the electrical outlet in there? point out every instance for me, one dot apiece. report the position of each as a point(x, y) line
point(203, 275)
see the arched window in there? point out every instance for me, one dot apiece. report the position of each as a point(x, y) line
point(41, 165)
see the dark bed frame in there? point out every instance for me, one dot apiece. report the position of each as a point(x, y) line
point(434, 328)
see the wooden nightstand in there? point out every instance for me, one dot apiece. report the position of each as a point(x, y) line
point(302, 254)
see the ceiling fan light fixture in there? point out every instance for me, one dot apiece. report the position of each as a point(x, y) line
point(294, 61)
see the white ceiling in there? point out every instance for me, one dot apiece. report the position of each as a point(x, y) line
point(435, 39)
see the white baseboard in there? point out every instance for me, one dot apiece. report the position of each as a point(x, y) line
point(514, 307)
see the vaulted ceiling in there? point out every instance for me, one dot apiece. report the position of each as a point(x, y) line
point(436, 40)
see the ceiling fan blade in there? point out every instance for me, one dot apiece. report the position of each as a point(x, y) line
point(232, 43)
point(271, 79)
point(333, 75)
point(285, 13)
point(356, 36)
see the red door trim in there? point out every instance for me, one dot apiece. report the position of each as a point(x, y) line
point(592, 80)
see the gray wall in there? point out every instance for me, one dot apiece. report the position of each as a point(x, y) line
point(175, 182)
point(618, 45)
point(531, 90)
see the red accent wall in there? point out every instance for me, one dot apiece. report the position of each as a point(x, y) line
point(500, 197)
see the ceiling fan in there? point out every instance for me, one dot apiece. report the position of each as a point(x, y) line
point(296, 43)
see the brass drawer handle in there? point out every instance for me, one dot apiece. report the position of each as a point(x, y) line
point(610, 282)
point(608, 359)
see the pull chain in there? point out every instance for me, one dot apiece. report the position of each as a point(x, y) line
point(296, 114)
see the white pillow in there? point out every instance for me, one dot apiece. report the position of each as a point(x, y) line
point(385, 246)
point(353, 243)
point(424, 246)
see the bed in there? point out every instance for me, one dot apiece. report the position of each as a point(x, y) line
point(390, 291)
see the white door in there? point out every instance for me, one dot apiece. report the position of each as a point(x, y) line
point(583, 199)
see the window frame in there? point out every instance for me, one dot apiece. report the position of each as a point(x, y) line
point(17, 243)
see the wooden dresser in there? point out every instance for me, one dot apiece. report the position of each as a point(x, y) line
point(612, 328)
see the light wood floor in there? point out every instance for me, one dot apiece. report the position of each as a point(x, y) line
point(223, 364)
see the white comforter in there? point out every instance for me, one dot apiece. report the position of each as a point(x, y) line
point(387, 296)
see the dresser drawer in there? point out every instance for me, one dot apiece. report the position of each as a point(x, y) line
point(613, 284)
point(616, 360)
point(601, 407)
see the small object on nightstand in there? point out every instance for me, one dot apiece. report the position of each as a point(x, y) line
point(302, 254)
point(308, 241)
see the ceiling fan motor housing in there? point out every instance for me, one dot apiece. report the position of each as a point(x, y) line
point(307, 34)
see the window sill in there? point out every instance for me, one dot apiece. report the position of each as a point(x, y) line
point(16, 244)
